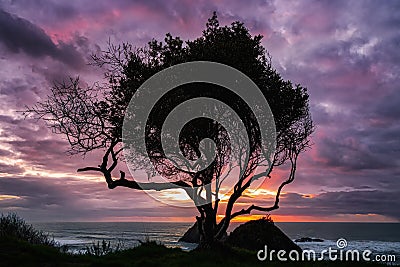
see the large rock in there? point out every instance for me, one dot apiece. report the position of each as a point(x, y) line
point(191, 236)
point(254, 235)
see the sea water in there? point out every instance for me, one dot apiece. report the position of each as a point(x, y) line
point(380, 238)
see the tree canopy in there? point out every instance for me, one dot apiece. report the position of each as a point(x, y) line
point(92, 117)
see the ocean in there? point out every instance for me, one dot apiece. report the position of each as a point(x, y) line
point(380, 238)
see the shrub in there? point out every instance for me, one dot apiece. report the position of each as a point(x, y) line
point(12, 226)
point(267, 218)
point(100, 249)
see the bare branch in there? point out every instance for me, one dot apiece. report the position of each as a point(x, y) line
point(89, 169)
point(277, 196)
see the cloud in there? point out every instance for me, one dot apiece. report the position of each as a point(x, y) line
point(349, 153)
point(337, 203)
point(20, 35)
point(10, 169)
point(64, 198)
point(4, 153)
point(388, 108)
point(344, 52)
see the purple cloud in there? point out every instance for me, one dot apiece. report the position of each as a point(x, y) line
point(345, 52)
point(20, 35)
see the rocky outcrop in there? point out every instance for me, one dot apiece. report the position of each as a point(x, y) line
point(254, 235)
point(191, 236)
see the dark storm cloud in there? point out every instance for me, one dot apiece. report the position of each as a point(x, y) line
point(20, 35)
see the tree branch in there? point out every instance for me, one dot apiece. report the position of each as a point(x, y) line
point(277, 196)
point(89, 169)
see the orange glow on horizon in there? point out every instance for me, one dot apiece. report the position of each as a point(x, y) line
point(246, 218)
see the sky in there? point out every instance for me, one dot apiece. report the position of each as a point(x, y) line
point(345, 52)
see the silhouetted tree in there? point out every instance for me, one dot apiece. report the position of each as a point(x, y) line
point(92, 117)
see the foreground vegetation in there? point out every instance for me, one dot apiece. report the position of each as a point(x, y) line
point(20, 253)
point(17, 249)
point(12, 226)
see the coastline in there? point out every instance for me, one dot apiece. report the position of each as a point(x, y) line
point(379, 238)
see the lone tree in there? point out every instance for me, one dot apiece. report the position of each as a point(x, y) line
point(92, 119)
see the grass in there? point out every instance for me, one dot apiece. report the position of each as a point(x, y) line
point(22, 248)
point(21, 253)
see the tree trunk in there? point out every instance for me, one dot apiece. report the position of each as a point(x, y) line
point(207, 226)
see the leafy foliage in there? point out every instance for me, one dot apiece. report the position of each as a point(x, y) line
point(92, 117)
point(12, 226)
